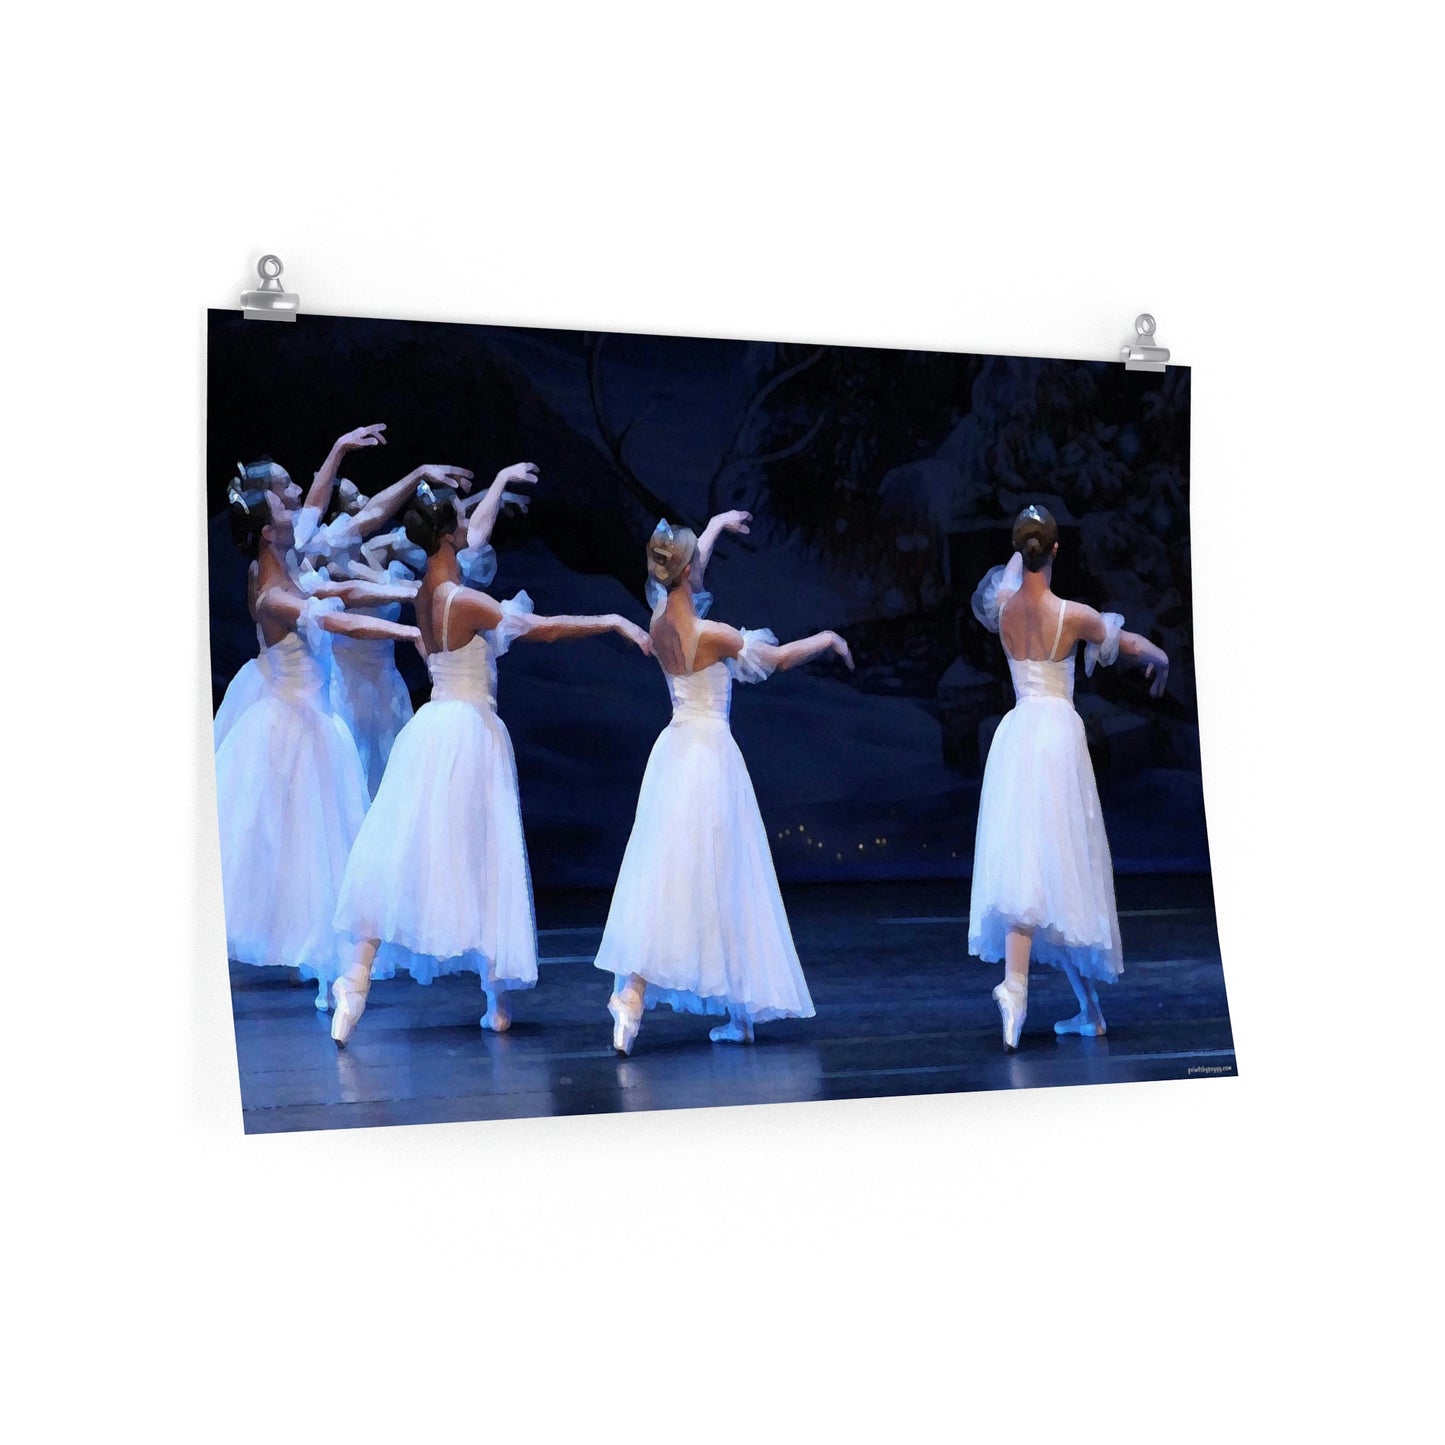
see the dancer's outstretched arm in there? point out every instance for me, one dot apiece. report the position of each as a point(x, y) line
point(1143, 653)
point(1091, 627)
point(360, 593)
point(350, 624)
point(485, 513)
point(719, 642)
point(363, 436)
point(723, 522)
point(531, 628)
point(288, 607)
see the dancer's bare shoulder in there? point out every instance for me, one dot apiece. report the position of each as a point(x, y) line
point(717, 642)
point(1082, 624)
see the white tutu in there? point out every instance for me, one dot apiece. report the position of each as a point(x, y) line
point(697, 911)
point(1041, 857)
point(369, 696)
point(247, 685)
point(439, 871)
point(291, 795)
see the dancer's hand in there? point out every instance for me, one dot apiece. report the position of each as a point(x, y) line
point(515, 502)
point(733, 522)
point(1156, 668)
point(363, 436)
point(519, 474)
point(634, 634)
point(458, 477)
point(841, 648)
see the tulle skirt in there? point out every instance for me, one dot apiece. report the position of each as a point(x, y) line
point(244, 689)
point(291, 795)
point(1041, 859)
point(439, 870)
point(697, 911)
point(369, 696)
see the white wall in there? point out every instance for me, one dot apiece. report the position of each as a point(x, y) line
point(1153, 1262)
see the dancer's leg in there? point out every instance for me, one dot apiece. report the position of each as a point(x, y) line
point(323, 999)
point(350, 991)
point(1089, 1020)
point(625, 1006)
point(737, 1030)
point(498, 1017)
point(1012, 995)
point(1016, 949)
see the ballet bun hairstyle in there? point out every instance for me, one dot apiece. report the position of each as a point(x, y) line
point(430, 516)
point(260, 473)
point(1035, 536)
point(669, 551)
point(250, 510)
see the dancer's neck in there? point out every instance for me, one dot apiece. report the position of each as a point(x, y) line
point(270, 568)
point(1036, 584)
point(442, 566)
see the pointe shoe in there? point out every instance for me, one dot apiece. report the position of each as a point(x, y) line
point(1084, 1024)
point(737, 1030)
point(626, 1022)
point(350, 1005)
point(498, 1018)
point(322, 1002)
point(1013, 1005)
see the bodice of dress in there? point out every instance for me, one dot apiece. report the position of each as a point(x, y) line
point(1038, 677)
point(706, 693)
point(292, 668)
point(263, 659)
point(466, 674)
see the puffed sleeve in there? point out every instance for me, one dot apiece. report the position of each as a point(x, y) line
point(479, 565)
point(755, 662)
point(405, 551)
point(318, 639)
point(307, 528)
point(1106, 651)
point(998, 585)
point(308, 579)
point(516, 618)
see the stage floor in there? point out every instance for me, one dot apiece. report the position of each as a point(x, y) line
point(901, 1009)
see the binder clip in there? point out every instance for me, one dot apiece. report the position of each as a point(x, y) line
point(270, 302)
point(1144, 356)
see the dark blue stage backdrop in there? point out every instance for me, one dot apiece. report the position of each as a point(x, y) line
point(882, 483)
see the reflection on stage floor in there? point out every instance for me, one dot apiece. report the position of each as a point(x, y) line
point(901, 1009)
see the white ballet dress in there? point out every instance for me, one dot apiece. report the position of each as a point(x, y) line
point(367, 690)
point(439, 872)
point(291, 794)
point(368, 693)
point(1041, 857)
point(696, 910)
point(243, 689)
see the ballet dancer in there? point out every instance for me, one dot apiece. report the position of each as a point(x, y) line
point(245, 687)
point(1043, 881)
point(697, 921)
point(439, 872)
point(367, 690)
point(290, 787)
